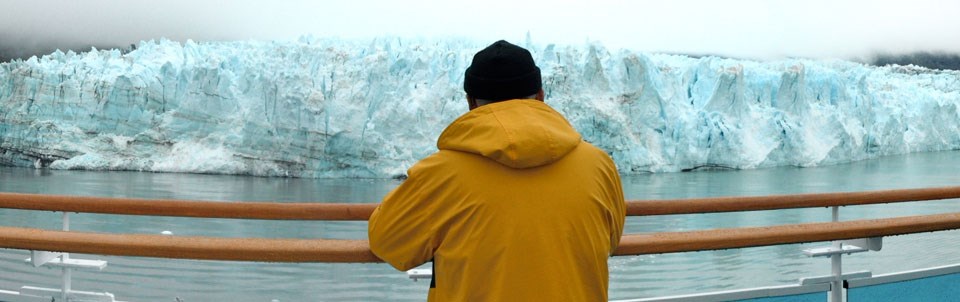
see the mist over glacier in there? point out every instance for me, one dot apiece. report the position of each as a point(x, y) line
point(336, 108)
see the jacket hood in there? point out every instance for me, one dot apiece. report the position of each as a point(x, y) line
point(515, 133)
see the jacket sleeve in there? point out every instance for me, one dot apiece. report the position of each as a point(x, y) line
point(402, 230)
point(618, 209)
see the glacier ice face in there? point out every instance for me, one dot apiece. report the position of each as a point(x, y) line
point(331, 108)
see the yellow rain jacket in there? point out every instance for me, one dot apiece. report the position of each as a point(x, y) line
point(514, 207)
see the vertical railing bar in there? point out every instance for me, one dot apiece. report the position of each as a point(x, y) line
point(66, 272)
point(836, 265)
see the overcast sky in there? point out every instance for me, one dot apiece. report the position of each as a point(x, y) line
point(745, 28)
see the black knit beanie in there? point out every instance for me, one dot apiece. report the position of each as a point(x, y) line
point(502, 71)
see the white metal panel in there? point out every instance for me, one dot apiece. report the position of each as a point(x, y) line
point(12, 296)
point(73, 295)
point(75, 263)
point(832, 278)
point(751, 293)
point(38, 258)
point(905, 276)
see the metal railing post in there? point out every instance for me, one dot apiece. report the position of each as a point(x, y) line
point(67, 265)
point(66, 271)
point(836, 288)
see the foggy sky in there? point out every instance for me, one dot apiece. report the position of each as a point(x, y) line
point(746, 28)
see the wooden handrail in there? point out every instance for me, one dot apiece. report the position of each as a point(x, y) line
point(362, 211)
point(189, 247)
point(717, 239)
point(777, 202)
point(188, 208)
point(331, 250)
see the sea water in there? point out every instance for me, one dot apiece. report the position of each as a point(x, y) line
point(154, 279)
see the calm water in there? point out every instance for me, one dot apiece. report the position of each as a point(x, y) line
point(149, 279)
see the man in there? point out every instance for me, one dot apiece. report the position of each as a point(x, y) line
point(515, 206)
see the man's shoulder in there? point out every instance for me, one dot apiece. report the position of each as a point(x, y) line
point(440, 161)
point(592, 150)
point(596, 157)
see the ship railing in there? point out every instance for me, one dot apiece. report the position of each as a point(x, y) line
point(53, 247)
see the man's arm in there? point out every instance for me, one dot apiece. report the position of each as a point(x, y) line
point(402, 229)
point(618, 207)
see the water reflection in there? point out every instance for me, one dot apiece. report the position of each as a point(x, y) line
point(149, 279)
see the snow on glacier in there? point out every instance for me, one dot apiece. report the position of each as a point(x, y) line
point(334, 108)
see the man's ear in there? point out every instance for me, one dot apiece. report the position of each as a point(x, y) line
point(540, 95)
point(471, 102)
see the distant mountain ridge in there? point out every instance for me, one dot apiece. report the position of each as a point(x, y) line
point(932, 60)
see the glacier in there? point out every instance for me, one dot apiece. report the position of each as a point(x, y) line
point(322, 107)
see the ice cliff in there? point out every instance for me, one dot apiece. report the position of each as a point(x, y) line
point(330, 108)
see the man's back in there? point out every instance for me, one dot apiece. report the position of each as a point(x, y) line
point(514, 207)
